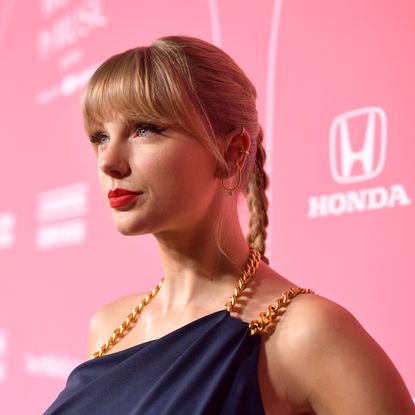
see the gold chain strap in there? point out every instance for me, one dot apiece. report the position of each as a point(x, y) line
point(125, 326)
point(267, 317)
point(255, 326)
point(251, 266)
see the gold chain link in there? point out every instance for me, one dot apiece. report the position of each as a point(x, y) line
point(266, 317)
point(251, 266)
point(125, 326)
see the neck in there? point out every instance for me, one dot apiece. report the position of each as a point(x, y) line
point(197, 274)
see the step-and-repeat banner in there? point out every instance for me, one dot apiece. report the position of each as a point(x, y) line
point(336, 87)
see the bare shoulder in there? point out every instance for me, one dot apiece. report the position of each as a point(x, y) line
point(104, 321)
point(333, 365)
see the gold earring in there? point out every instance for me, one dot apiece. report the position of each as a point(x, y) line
point(233, 188)
point(239, 177)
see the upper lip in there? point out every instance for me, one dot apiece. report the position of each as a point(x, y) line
point(118, 191)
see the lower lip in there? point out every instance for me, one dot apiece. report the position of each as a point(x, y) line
point(123, 200)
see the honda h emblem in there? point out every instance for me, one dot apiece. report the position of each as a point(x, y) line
point(371, 138)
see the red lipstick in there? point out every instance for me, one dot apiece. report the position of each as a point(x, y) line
point(118, 191)
point(120, 197)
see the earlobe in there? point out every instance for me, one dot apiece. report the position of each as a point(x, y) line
point(221, 173)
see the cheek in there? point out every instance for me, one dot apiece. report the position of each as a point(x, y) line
point(183, 177)
point(195, 169)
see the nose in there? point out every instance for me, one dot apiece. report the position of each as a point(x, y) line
point(113, 161)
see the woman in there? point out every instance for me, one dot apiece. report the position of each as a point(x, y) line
point(175, 124)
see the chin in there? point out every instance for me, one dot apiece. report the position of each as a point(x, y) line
point(130, 229)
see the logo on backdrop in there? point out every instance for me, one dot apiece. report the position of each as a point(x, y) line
point(60, 213)
point(357, 153)
point(371, 155)
point(49, 365)
point(7, 231)
point(4, 340)
point(67, 25)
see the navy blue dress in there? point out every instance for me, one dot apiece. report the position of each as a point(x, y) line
point(206, 367)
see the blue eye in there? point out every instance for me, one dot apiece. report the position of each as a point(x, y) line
point(148, 127)
point(96, 137)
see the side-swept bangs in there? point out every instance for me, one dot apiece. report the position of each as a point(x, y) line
point(143, 84)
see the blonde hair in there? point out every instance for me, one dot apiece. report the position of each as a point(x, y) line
point(190, 83)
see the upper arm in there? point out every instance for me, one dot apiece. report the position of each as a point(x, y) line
point(338, 367)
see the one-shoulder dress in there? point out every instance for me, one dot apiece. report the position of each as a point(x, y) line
point(206, 367)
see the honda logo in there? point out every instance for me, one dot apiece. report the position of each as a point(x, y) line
point(343, 152)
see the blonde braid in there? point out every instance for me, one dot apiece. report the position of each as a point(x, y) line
point(258, 201)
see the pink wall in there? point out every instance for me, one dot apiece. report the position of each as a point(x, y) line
point(331, 76)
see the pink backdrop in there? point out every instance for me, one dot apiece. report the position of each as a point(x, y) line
point(336, 91)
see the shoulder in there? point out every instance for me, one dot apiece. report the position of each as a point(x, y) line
point(104, 321)
point(333, 365)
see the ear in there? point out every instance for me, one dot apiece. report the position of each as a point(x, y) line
point(236, 143)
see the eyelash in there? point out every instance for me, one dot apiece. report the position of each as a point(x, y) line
point(96, 137)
